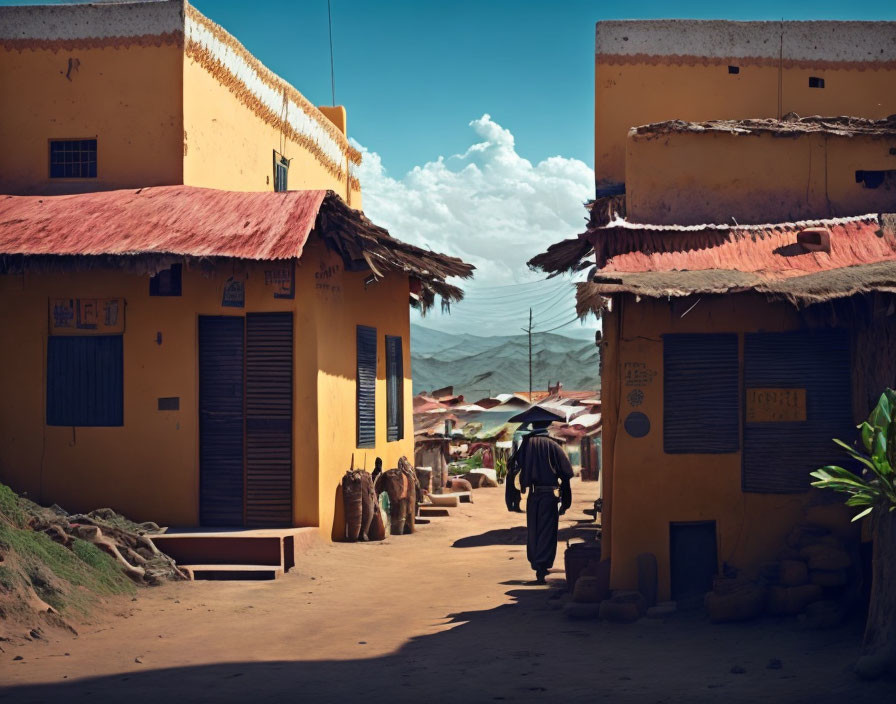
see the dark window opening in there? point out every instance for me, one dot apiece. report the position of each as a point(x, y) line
point(167, 282)
point(734, 69)
point(816, 82)
point(72, 158)
point(394, 389)
point(85, 380)
point(701, 394)
point(281, 172)
point(366, 386)
point(875, 179)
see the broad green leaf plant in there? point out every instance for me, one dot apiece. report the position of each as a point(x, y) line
point(875, 487)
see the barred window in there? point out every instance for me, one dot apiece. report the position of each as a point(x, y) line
point(72, 158)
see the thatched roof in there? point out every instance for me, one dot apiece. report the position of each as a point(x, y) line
point(670, 261)
point(791, 125)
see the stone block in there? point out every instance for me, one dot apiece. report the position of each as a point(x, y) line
point(793, 573)
point(828, 578)
point(589, 590)
point(789, 601)
point(822, 615)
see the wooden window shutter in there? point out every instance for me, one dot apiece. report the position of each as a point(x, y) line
point(366, 398)
point(85, 380)
point(778, 456)
point(394, 389)
point(701, 394)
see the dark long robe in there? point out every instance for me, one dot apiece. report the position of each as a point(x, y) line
point(543, 467)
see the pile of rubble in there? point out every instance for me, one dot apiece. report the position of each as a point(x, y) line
point(818, 578)
point(128, 542)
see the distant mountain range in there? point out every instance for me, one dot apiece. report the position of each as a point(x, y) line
point(485, 366)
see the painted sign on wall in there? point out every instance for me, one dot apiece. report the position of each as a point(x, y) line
point(776, 405)
point(234, 295)
point(282, 280)
point(102, 316)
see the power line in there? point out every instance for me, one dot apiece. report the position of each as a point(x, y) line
point(486, 298)
point(523, 283)
point(332, 65)
point(559, 326)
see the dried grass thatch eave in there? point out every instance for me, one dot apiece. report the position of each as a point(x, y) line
point(364, 245)
point(800, 291)
point(563, 257)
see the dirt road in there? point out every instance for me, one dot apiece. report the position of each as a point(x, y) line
point(447, 614)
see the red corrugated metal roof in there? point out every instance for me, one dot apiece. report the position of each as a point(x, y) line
point(181, 220)
point(768, 251)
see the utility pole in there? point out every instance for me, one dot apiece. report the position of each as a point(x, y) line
point(529, 331)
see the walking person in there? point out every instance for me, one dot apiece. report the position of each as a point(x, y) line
point(544, 470)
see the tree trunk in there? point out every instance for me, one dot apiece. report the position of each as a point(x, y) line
point(879, 647)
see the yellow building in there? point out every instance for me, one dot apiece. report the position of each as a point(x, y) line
point(696, 70)
point(192, 347)
point(733, 351)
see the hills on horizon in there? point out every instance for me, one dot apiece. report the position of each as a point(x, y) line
point(478, 366)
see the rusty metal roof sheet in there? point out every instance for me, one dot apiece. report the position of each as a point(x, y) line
point(183, 220)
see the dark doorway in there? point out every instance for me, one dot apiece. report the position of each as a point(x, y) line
point(245, 420)
point(693, 559)
point(221, 420)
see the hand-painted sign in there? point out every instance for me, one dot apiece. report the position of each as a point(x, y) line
point(776, 405)
point(282, 280)
point(86, 315)
point(638, 374)
point(234, 295)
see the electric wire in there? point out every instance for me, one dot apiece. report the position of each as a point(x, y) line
point(332, 65)
point(534, 332)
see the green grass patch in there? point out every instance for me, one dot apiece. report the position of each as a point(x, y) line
point(9, 507)
point(56, 572)
point(8, 579)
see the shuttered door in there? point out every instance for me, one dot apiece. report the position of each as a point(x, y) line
point(700, 393)
point(221, 356)
point(269, 362)
point(394, 389)
point(778, 456)
point(366, 386)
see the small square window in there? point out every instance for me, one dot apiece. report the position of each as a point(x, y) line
point(167, 282)
point(734, 69)
point(816, 82)
point(73, 158)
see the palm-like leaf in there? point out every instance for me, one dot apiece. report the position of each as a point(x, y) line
point(875, 487)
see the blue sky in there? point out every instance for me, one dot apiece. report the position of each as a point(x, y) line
point(476, 120)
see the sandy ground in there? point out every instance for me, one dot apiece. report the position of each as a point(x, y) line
point(447, 614)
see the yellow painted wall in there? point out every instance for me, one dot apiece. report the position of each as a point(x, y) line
point(343, 302)
point(148, 468)
point(227, 146)
point(638, 93)
point(128, 98)
point(648, 489)
point(687, 178)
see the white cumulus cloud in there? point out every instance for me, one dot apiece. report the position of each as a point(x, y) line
point(491, 207)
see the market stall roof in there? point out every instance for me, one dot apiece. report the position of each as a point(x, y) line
point(146, 228)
